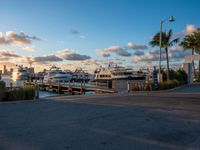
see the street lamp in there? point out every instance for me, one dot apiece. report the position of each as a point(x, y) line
point(171, 19)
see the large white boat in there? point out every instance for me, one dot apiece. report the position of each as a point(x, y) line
point(116, 73)
point(20, 73)
point(80, 75)
point(56, 75)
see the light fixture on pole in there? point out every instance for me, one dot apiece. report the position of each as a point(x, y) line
point(171, 19)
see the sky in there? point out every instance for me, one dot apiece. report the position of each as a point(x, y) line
point(91, 33)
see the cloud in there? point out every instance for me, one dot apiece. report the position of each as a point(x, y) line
point(136, 47)
point(187, 31)
point(91, 62)
point(190, 29)
point(27, 60)
point(145, 58)
point(113, 49)
point(28, 48)
point(7, 54)
point(139, 53)
point(176, 53)
point(75, 32)
point(68, 54)
point(8, 64)
point(17, 39)
point(49, 58)
point(3, 41)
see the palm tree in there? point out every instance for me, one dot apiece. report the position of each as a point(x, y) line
point(189, 43)
point(166, 43)
point(197, 49)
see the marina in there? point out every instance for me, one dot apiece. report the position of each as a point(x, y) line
point(46, 89)
point(99, 75)
point(58, 82)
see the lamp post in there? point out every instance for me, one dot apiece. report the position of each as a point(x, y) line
point(171, 19)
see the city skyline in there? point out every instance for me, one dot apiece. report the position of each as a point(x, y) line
point(88, 34)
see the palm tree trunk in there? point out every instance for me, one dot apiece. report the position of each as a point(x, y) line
point(193, 64)
point(199, 66)
point(166, 49)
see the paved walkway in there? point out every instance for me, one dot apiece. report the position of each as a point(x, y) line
point(193, 88)
point(153, 121)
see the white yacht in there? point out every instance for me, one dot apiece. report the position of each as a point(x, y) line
point(116, 73)
point(20, 73)
point(57, 75)
point(80, 75)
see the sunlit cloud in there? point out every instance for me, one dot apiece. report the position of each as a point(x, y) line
point(49, 58)
point(136, 47)
point(8, 54)
point(71, 55)
point(17, 39)
point(113, 49)
point(28, 48)
point(190, 29)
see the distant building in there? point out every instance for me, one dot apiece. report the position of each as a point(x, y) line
point(5, 71)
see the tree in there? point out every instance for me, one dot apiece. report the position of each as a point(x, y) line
point(192, 42)
point(189, 43)
point(166, 43)
point(197, 48)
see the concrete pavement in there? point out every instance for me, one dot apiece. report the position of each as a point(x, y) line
point(140, 121)
point(193, 88)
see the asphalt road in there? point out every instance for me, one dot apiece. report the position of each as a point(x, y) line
point(140, 121)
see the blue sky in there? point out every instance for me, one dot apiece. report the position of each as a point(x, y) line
point(89, 25)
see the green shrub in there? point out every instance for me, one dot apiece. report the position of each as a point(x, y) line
point(182, 76)
point(29, 93)
point(2, 85)
point(168, 84)
point(20, 94)
point(2, 90)
point(179, 75)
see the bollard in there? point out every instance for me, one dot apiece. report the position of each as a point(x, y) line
point(11, 86)
point(68, 87)
point(81, 92)
point(37, 91)
point(128, 84)
point(59, 88)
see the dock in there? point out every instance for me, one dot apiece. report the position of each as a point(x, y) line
point(70, 88)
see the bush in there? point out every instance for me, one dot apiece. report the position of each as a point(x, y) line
point(2, 85)
point(20, 94)
point(2, 89)
point(179, 75)
point(29, 93)
point(182, 76)
point(168, 84)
